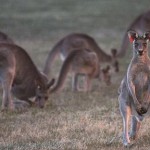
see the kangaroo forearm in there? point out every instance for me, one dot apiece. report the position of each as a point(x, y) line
point(147, 97)
point(132, 92)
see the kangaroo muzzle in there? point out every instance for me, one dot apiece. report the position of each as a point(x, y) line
point(140, 52)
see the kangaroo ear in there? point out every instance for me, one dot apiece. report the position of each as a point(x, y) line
point(147, 35)
point(132, 35)
point(50, 83)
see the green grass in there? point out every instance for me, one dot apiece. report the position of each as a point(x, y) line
point(77, 121)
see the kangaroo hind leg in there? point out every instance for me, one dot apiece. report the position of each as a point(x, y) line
point(7, 101)
point(75, 86)
point(126, 113)
point(87, 83)
point(135, 126)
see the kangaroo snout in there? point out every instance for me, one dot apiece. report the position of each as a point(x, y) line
point(140, 51)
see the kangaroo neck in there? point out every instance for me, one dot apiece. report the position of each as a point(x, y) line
point(103, 57)
point(106, 58)
point(140, 59)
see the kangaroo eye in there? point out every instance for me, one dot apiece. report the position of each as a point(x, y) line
point(144, 44)
point(136, 44)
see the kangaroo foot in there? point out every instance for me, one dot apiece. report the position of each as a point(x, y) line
point(133, 136)
point(8, 108)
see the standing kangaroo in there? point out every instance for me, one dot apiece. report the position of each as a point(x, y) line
point(79, 41)
point(81, 62)
point(134, 91)
point(5, 38)
point(20, 77)
point(140, 24)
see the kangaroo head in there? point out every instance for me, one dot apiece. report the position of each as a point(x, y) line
point(42, 93)
point(106, 75)
point(115, 62)
point(140, 43)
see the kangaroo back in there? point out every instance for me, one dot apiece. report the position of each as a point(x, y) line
point(84, 41)
point(51, 57)
point(5, 38)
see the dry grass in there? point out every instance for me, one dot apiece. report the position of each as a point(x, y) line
point(66, 123)
point(70, 121)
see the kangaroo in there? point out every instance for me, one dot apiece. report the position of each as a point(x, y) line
point(81, 62)
point(5, 38)
point(20, 77)
point(134, 91)
point(79, 41)
point(140, 24)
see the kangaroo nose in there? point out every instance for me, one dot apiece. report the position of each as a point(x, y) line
point(140, 50)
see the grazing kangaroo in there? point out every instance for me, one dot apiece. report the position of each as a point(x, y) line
point(134, 91)
point(20, 77)
point(140, 24)
point(81, 62)
point(79, 41)
point(5, 38)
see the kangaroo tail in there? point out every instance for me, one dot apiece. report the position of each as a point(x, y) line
point(51, 57)
point(64, 71)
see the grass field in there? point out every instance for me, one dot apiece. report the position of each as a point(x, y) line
point(70, 121)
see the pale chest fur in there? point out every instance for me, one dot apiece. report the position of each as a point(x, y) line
point(141, 81)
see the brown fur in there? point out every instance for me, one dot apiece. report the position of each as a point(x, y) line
point(5, 38)
point(79, 41)
point(81, 62)
point(140, 24)
point(134, 91)
point(20, 77)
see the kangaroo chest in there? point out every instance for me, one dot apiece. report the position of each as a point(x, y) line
point(141, 82)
